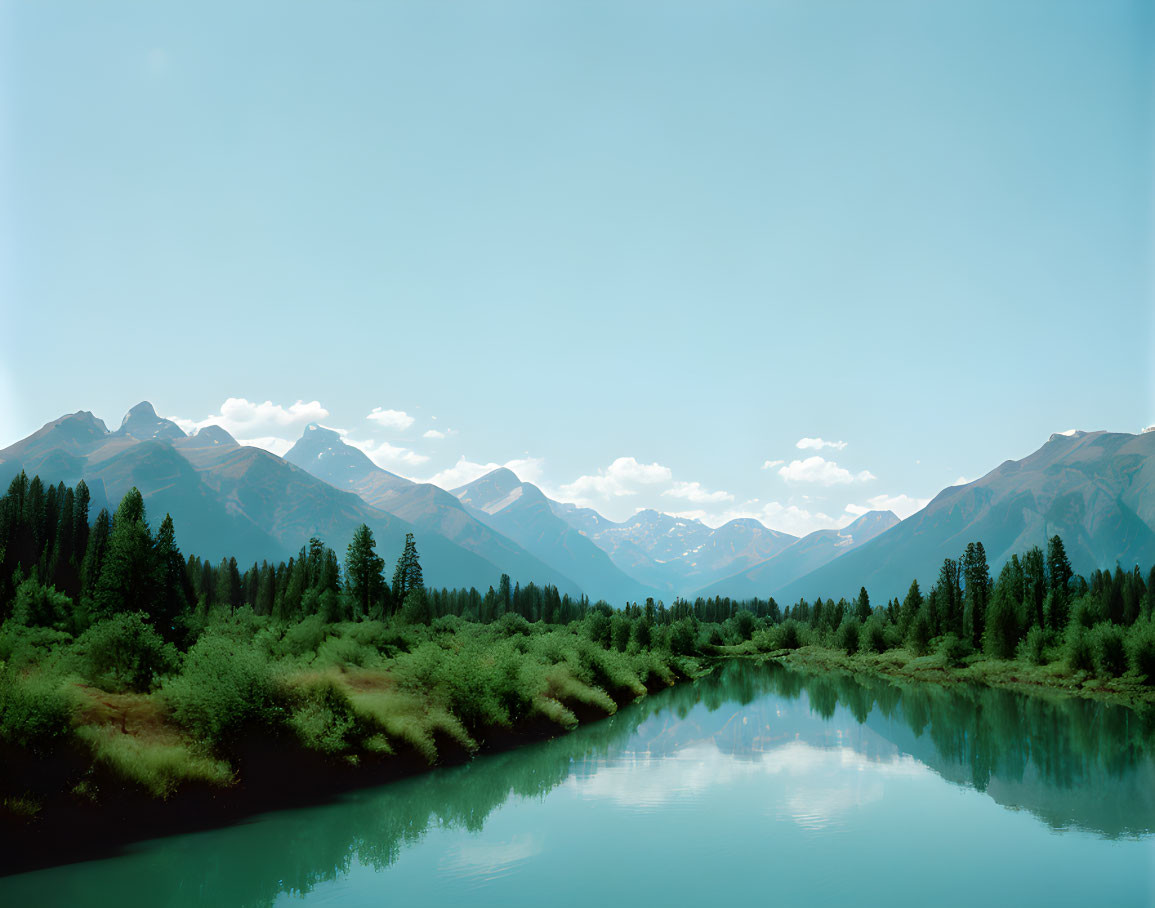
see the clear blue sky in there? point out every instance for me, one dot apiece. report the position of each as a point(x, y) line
point(686, 234)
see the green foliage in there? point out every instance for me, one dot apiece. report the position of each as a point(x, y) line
point(873, 638)
point(37, 605)
point(304, 637)
point(918, 639)
point(849, 632)
point(954, 649)
point(124, 651)
point(226, 688)
point(1033, 647)
point(35, 712)
point(1108, 651)
point(161, 767)
point(22, 647)
point(790, 635)
point(1141, 649)
point(1079, 651)
point(683, 638)
point(322, 716)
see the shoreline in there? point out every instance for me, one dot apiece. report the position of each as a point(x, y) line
point(75, 832)
point(1049, 681)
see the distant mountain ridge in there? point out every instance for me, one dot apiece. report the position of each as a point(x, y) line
point(232, 500)
point(1094, 489)
point(676, 554)
point(521, 511)
point(805, 555)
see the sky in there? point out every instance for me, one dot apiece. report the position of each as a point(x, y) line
point(788, 260)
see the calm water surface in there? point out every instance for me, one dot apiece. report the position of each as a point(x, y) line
point(759, 785)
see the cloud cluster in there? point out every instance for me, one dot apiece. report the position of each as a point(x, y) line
point(387, 456)
point(622, 477)
point(264, 425)
point(817, 444)
point(693, 491)
point(391, 419)
point(527, 469)
point(821, 471)
point(902, 505)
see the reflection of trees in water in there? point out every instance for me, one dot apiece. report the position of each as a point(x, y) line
point(971, 735)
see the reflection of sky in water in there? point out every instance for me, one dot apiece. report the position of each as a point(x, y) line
point(818, 783)
point(707, 792)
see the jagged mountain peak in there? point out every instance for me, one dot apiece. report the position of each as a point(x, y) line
point(142, 423)
point(212, 436)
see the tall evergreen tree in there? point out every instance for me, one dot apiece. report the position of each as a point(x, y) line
point(407, 575)
point(365, 573)
point(977, 577)
point(173, 590)
point(1059, 580)
point(127, 576)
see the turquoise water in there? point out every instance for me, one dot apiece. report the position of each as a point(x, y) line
point(758, 786)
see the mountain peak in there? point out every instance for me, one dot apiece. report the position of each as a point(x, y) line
point(212, 436)
point(315, 432)
point(141, 422)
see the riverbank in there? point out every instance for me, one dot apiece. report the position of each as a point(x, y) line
point(1054, 679)
point(238, 731)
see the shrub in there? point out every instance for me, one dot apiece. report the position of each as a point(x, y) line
point(954, 649)
point(322, 717)
point(22, 647)
point(125, 650)
point(789, 635)
point(919, 637)
point(873, 638)
point(1107, 650)
point(1033, 647)
point(1141, 649)
point(683, 638)
point(160, 766)
point(1080, 655)
point(35, 713)
point(512, 624)
point(226, 687)
point(848, 635)
point(744, 624)
point(40, 606)
point(304, 636)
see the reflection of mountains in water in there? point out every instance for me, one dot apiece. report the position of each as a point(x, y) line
point(1072, 763)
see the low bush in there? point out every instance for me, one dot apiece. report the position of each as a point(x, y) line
point(35, 712)
point(1107, 650)
point(125, 652)
point(849, 632)
point(954, 650)
point(1141, 649)
point(873, 638)
point(1033, 646)
point(226, 687)
point(1080, 654)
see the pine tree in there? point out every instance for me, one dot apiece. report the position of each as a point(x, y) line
point(1034, 585)
point(365, 572)
point(172, 585)
point(862, 609)
point(407, 575)
point(977, 576)
point(127, 576)
point(1059, 576)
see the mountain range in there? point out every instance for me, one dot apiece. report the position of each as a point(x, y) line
point(1096, 490)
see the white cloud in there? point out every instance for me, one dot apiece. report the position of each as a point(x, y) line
point(433, 433)
point(824, 472)
point(389, 456)
point(785, 518)
point(962, 481)
point(391, 419)
point(902, 505)
point(264, 425)
point(771, 464)
point(622, 477)
point(693, 491)
point(527, 469)
point(817, 444)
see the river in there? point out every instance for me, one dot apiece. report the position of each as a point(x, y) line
point(756, 785)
